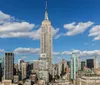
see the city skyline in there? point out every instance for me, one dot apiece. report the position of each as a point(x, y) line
point(77, 28)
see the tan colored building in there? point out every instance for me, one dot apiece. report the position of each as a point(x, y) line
point(35, 66)
point(46, 39)
point(95, 80)
point(15, 79)
point(24, 70)
point(16, 67)
point(96, 63)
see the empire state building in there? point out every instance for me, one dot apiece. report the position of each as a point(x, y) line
point(46, 39)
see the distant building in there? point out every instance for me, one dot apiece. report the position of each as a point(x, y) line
point(54, 70)
point(16, 79)
point(8, 66)
point(68, 63)
point(64, 66)
point(79, 63)
point(2, 64)
point(28, 82)
point(7, 82)
point(59, 67)
point(89, 80)
point(90, 63)
point(74, 66)
point(16, 68)
point(96, 63)
point(0, 72)
point(19, 64)
point(33, 77)
point(35, 65)
point(24, 70)
point(83, 64)
point(1, 67)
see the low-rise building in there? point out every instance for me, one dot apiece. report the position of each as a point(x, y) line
point(88, 80)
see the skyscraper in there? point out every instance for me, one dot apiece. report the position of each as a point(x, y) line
point(8, 66)
point(1, 67)
point(74, 67)
point(0, 72)
point(43, 68)
point(64, 65)
point(90, 63)
point(19, 64)
point(35, 65)
point(24, 70)
point(83, 64)
point(68, 63)
point(46, 38)
point(96, 62)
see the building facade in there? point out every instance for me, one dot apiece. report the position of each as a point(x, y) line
point(0, 72)
point(46, 39)
point(88, 80)
point(43, 68)
point(96, 62)
point(35, 66)
point(8, 66)
point(74, 66)
point(90, 63)
point(83, 64)
point(24, 70)
point(1, 67)
point(19, 64)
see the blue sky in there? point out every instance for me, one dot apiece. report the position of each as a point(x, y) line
point(82, 15)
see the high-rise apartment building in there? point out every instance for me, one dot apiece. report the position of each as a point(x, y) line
point(8, 66)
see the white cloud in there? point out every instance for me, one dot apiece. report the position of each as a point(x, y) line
point(4, 17)
point(10, 28)
point(62, 53)
point(34, 35)
point(15, 27)
point(59, 35)
point(24, 57)
point(74, 29)
point(95, 32)
point(70, 26)
point(21, 50)
point(97, 38)
point(79, 53)
point(55, 31)
point(89, 53)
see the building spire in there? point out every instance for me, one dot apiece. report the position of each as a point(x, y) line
point(46, 11)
